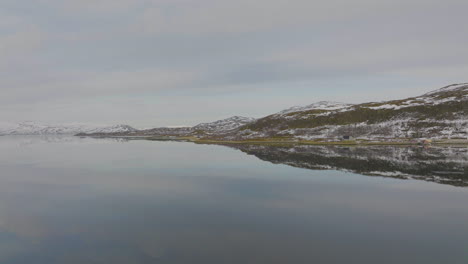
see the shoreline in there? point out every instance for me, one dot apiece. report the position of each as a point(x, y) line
point(448, 142)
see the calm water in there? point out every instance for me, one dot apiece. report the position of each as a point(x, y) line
point(71, 200)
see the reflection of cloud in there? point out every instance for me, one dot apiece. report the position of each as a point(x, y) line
point(186, 203)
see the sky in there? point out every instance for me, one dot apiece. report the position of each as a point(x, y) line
point(150, 63)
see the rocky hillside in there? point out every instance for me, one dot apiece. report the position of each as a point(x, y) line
point(223, 126)
point(442, 113)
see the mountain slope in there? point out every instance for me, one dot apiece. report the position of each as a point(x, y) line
point(201, 130)
point(442, 113)
point(322, 106)
point(224, 125)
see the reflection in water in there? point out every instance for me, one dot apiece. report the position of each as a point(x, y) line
point(80, 201)
point(447, 165)
point(24, 140)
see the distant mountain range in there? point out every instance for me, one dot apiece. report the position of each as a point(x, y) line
point(216, 128)
point(33, 128)
point(439, 114)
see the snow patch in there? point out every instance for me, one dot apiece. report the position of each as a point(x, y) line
point(322, 105)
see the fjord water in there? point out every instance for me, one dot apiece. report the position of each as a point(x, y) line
point(80, 200)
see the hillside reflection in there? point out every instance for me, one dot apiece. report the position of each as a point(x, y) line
point(445, 165)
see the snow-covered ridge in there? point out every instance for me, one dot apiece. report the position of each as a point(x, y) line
point(322, 105)
point(430, 98)
point(33, 128)
point(224, 124)
point(458, 92)
point(452, 87)
point(220, 126)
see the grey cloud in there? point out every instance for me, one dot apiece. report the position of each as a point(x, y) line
point(63, 53)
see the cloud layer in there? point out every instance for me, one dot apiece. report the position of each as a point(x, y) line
point(161, 62)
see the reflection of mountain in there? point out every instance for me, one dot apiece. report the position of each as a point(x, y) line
point(28, 140)
point(447, 165)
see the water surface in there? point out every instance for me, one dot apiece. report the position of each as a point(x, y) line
point(75, 200)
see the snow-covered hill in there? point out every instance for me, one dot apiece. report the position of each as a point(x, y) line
point(204, 129)
point(322, 105)
point(33, 128)
point(224, 125)
point(442, 113)
point(448, 94)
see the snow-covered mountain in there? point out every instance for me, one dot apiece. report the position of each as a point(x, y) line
point(442, 113)
point(203, 129)
point(448, 94)
point(33, 128)
point(322, 105)
point(112, 129)
point(224, 125)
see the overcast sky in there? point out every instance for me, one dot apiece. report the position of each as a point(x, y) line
point(180, 62)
